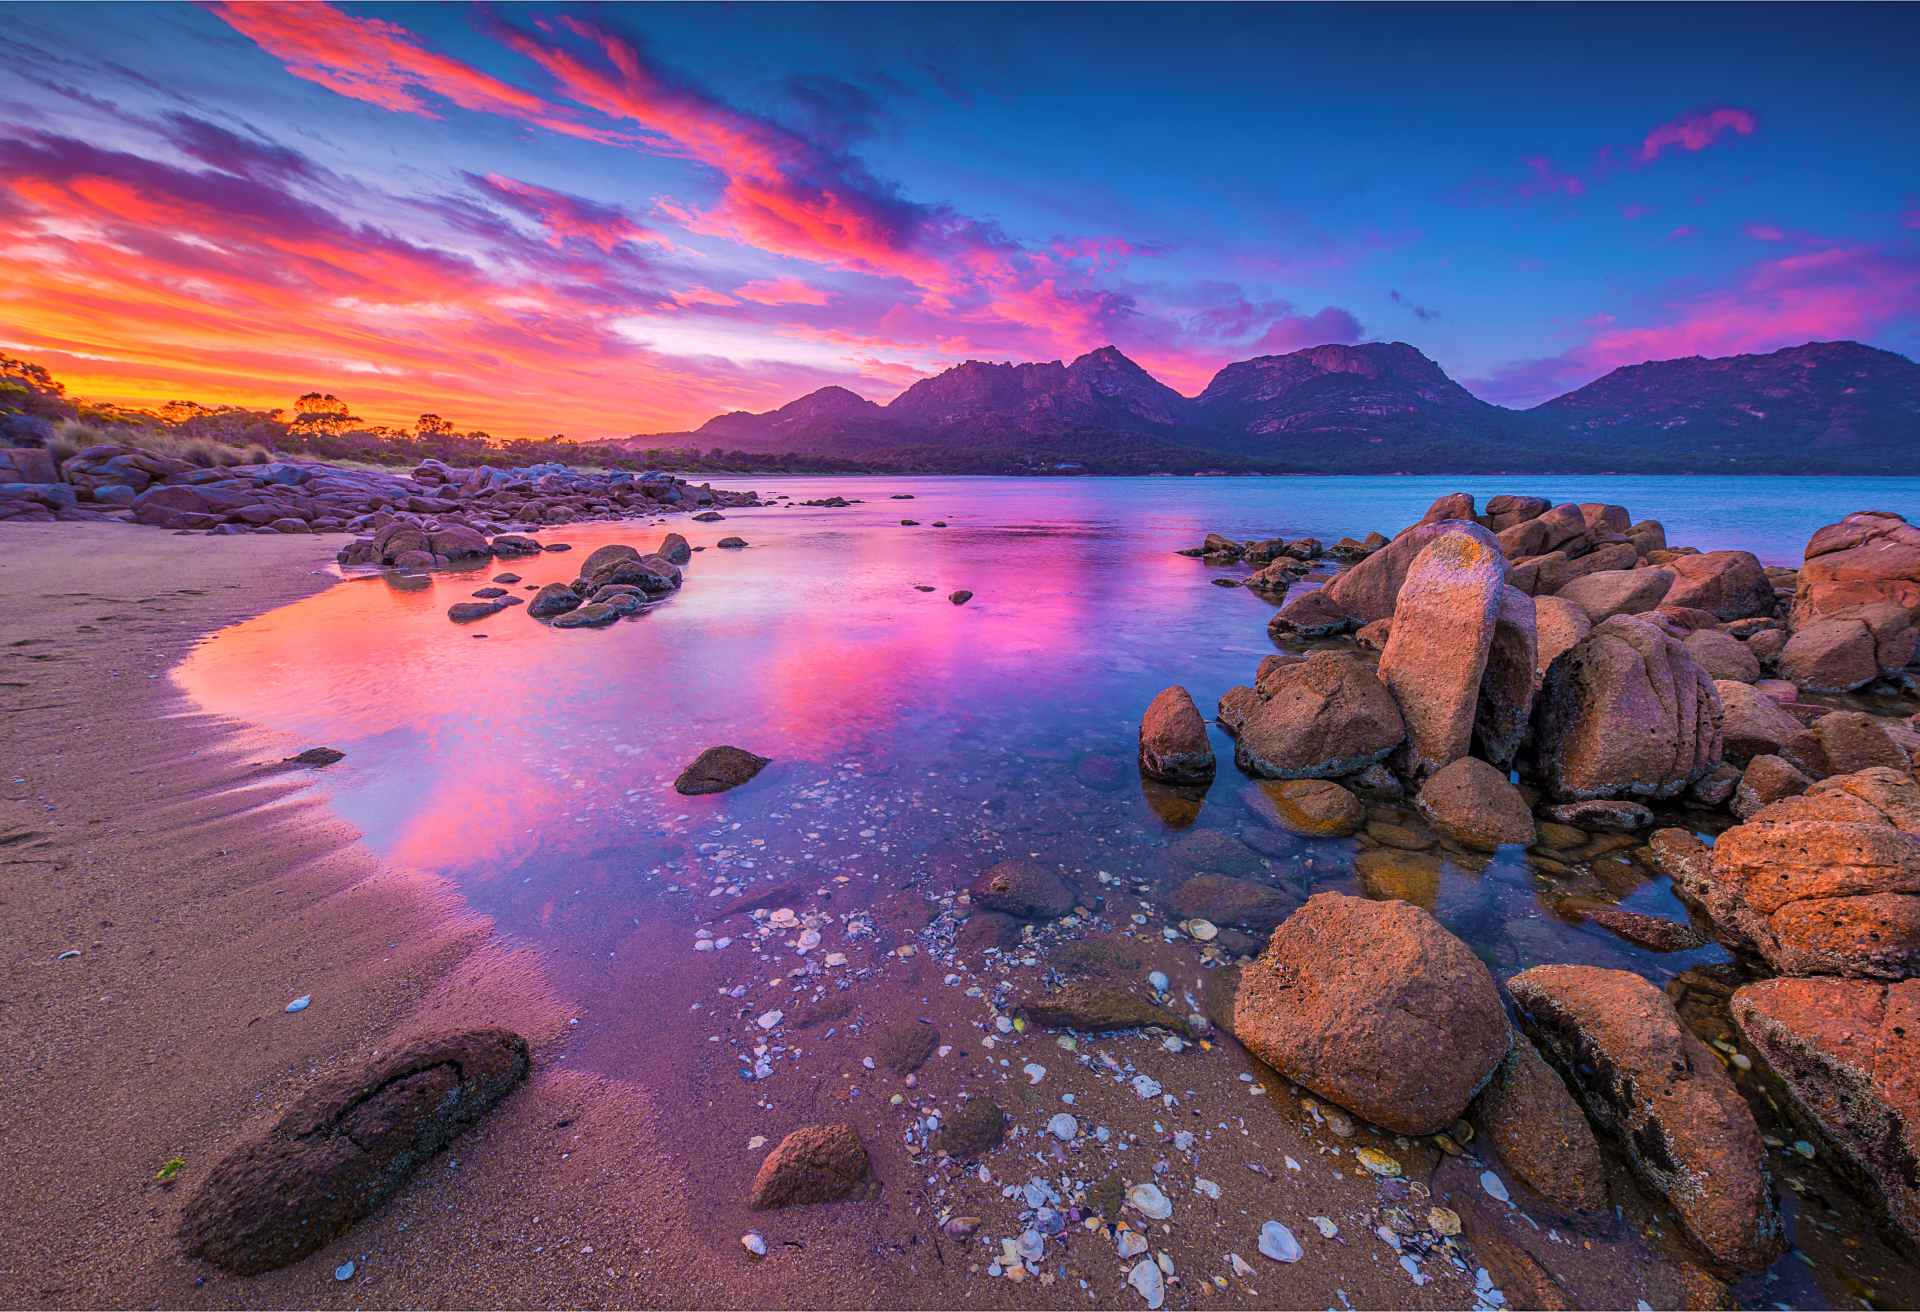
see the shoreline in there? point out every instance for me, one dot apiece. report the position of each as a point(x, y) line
point(204, 886)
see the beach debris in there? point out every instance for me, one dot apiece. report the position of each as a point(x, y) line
point(1063, 1127)
point(1129, 1243)
point(768, 1019)
point(1278, 1243)
point(1325, 1225)
point(1377, 1162)
point(1443, 1221)
point(1146, 1086)
point(300, 1003)
point(1240, 1266)
point(317, 757)
point(1147, 1200)
point(344, 1271)
point(170, 1168)
point(68, 955)
point(1159, 981)
point(1034, 1072)
point(1496, 1187)
point(1146, 1278)
point(754, 1243)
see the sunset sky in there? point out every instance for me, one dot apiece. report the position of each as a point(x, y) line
point(611, 220)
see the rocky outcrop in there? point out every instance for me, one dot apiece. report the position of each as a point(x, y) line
point(1474, 804)
point(1436, 654)
point(1321, 718)
point(1831, 655)
point(1558, 625)
point(1824, 883)
point(1626, 712)
point(1843, 742)
point(1870, 557)
point(1369, 590)
point(1848, 1053)
point(1351, 998)
point(1505, 709)
point(1752, 723)
point(1729, 584)
point(1617, 592)
point(717, 769)
point(1173, 740)
point(814, 1164)
point(553, 599)
point(1538, 1130)
point(1722, 656)
point(1645, 1079)
point(1765, 781)
point(346, 1146)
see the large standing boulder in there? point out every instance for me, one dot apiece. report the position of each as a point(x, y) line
point(1626, 712)
point(1443, 623)
point(1831, 655)
point(1173, 740)
point(1871, 556)
point(1730, 584)
point(1505, 709)
point(1848, 1052)
point(1647, 1080)
point(1558, 625)
point(346, 1146)
point(1475, 805)
point(1538, 1130)
point(1824, 883)
point(1323, 717)
point(1369, 590)
point(1353, 997)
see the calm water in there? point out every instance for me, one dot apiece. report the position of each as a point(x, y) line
point(914, 741)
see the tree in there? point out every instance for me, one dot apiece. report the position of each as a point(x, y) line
point(323, 413)
point(432, 425)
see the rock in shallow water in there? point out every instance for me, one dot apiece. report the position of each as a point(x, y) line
point(1476, 806)
point(346, 1146)
point(1349, 997)
point(1022, 888)
point(1540, 1132)
point(718, 769)
point(1173, 740)
point(1645, 1078)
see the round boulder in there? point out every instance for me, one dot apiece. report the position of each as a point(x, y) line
point(1021, 888)
point(1173, 740)
point(1353, 997)
point(1476, 806)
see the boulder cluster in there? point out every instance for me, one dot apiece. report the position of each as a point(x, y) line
point(297, 496)
point(1532, 667)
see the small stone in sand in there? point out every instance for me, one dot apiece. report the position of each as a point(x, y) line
point(1278, 1243)
point(300, 1003)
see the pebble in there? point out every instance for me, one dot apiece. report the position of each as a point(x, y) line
point(301, 1003)
point(68, 955)
point(1240, 1265)
point(1325, 1225)
point(1378, 1162)
point(754, 1243)
point(1278, 1243)
point(1496, 1187)
point(1159, 981)
point(768, 1019)
point(344, 1271)
point(1146, 1086)
point(1146, 1278)
point(1063, 1127)
point(1205, 1187)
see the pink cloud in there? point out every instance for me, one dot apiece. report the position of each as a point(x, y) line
point(781, 291)
point(1695, 132)
point(1632, 213)
point(1547, 181)
point(702, 296)
point(566, 216)
point(1764, 232)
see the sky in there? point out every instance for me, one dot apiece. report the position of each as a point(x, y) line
point(605, 220)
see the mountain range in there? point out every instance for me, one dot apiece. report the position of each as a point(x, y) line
point(1376, 407)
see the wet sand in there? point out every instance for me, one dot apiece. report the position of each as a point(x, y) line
point(204, 887)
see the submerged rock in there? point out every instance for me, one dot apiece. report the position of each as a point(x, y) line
point(1352, 997)
point(718, 769)
point(971, 1130)
point(1647, 1080)
point(814, 1164)
point(1095, 1009)
point(1224, 900)
point(346, 1146)
point(1312, 808)
point(1021, 888)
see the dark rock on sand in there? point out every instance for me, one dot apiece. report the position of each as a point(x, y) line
point(718, 769)
point(971, 1130)
point(465, 612)
point(1476, 805)
point(1021, 888)
point(1539, 1130)
point(1647, 1080)
point(1353, 997)
point(346, 1146)
point(960, 597)
point(1173, 740)
point(906, 1046)
point(731, 544)
point(593, 615)
point(814, 1164)
point(317, 757)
